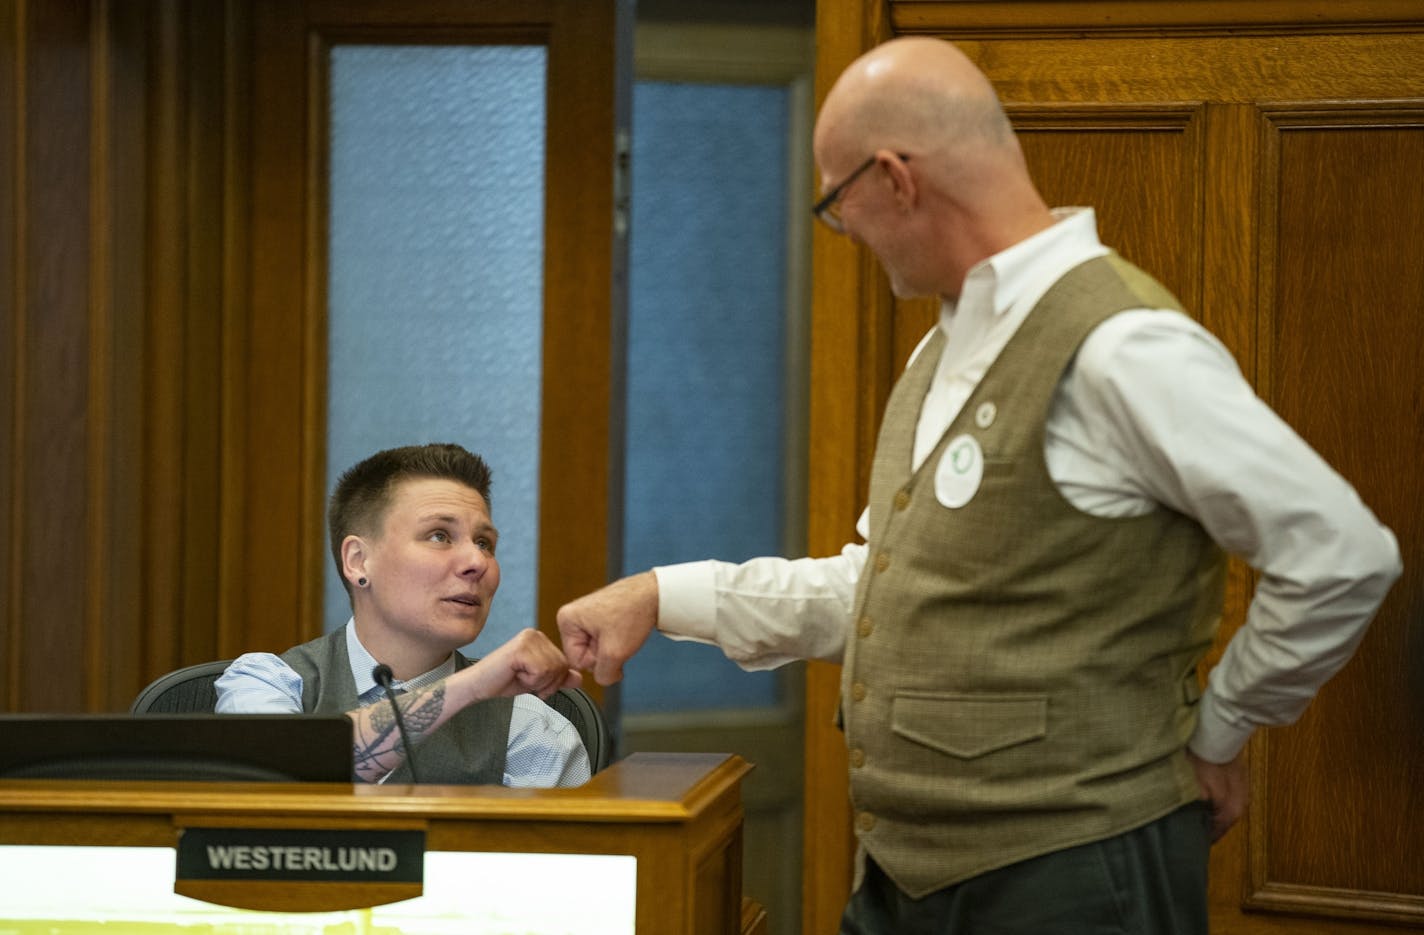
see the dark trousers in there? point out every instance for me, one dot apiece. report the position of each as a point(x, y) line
point(1149, 881)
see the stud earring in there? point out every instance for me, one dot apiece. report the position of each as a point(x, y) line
point(360, 582)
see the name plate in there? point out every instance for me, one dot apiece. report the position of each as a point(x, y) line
point(326, 867)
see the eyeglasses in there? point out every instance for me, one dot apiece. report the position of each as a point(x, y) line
point(828, 209)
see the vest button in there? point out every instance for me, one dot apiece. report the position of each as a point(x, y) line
point(857, 758)
point(902, 499)
point(864, 627)
point(865, 821)
point(882, 561)
point(857, 691)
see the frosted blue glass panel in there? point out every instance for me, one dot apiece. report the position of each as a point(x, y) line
point(706, 359)
point(436, 277)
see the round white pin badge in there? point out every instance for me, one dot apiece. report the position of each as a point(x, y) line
point(959, 472)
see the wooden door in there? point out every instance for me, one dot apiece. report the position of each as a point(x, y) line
point(276, 515)
point(1262, 160)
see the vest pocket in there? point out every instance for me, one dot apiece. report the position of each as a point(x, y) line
point(969, 726)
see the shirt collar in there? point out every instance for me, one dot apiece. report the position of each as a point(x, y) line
point(1017, 277)
point(362, 662)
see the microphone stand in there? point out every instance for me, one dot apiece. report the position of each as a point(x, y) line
point(383, 677)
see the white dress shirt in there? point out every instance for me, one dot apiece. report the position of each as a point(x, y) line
point(544, 749)
point(1152, 413)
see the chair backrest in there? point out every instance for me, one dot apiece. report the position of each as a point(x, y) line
point(576, 705)
point(190, 689)
point(186, 690)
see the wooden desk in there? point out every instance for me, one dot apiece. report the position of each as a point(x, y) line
point(679, 815)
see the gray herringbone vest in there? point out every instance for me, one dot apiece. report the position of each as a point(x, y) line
point(1021, 675)
point(468, 749)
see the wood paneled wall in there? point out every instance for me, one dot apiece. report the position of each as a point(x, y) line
point(1262, 159)
point(111, 236)
point(162, 321)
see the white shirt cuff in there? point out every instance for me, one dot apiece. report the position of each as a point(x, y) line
point(687, 601)
point(1217, 739)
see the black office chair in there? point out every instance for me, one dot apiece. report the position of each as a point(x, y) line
point(190, 689)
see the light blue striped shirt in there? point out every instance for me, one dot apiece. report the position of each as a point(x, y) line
point(544, 748)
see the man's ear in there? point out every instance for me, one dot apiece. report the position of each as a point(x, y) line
point(902, 180)
point(354, 553)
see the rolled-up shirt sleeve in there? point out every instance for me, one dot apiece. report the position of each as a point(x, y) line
point(259, 683)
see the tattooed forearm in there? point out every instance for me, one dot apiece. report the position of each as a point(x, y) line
point(378, 748)
point(423, 711)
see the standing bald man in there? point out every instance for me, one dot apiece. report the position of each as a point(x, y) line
point(1058, 477)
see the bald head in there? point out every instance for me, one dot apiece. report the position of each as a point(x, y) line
point(914, 94)
point(951, 186)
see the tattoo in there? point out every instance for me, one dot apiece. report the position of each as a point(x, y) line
point(379, 751)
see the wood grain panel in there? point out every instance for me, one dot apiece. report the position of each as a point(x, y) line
point(170, 159)
point(1342, 347)
point(11, 128)
point(237, 122)
point(1219, 69)
point(163, 377)
point(1140, 169)
point(114, 624)
point(52, 515)
point(204, 231)
point(79, 447)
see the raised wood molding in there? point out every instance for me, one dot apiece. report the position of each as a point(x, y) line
point(1021, 19)
point(1320, 901)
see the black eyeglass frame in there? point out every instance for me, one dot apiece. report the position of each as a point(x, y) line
point(821, 209)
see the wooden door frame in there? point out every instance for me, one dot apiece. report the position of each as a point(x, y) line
point(852, 369)
point(274, 515)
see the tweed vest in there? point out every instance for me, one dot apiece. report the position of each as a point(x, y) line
point(1021, 676)
point(468, 749)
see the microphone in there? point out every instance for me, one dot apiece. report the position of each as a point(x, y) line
point(383, 677)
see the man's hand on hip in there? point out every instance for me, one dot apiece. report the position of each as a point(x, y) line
point(1226, 789)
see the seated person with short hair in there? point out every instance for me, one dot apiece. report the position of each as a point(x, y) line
point(413, 540)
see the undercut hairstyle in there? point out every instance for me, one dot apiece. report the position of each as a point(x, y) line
point(364, 492)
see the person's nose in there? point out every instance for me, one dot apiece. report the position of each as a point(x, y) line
point(474, 560)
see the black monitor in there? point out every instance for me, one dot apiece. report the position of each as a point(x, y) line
point(192, 747)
